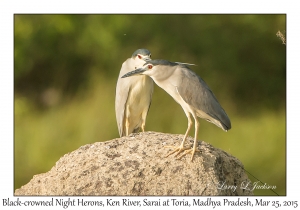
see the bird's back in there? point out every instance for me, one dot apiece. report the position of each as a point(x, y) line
point(197, 94)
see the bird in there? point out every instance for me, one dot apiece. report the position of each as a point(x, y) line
point(191, 92)
point(133, 95)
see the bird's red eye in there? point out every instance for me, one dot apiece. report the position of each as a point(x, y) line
point(140, 57)
point(150, 66)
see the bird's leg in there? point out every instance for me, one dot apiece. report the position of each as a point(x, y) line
point(127, 126)
point(143, 127)
point(194, 149)
point(143, 116)
point(143, 123)
point(181, 147)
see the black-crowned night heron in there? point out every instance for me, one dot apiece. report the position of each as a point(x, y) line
point(190, 91)
point(133, 95)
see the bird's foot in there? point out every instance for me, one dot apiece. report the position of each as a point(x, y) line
point(177, 149)
point(192, 151)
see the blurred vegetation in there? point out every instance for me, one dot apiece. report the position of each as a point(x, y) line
point(66, 68)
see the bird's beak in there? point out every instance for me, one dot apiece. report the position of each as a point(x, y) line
point(147, 59)
point(135, 72)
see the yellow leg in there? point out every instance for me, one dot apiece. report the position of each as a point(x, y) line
point(143, 127)
point(144, 115)
point(194, 149)
point(127, 127)
point(181, 147)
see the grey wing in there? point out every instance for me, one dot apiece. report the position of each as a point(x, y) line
point(122, 91)
point(196, 93)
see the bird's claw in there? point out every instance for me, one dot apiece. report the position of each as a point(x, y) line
point(177, 149)
point(192, 151)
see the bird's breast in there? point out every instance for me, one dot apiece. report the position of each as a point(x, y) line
point(170, 89)
point(141, 90)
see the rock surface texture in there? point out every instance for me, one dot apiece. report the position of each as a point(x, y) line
point(136, 165)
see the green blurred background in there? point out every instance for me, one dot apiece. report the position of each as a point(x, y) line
point(66, 68)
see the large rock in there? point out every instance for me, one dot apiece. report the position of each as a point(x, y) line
point(136, 165)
